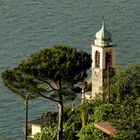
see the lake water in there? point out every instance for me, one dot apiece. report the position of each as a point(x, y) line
point(27, 25)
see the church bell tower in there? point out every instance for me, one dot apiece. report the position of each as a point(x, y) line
point(103, 59)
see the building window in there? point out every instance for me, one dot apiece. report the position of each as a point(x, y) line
point(97, 59)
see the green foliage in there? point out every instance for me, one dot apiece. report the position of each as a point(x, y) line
point(51, 70)
point(48, 133)
point(72, 123)
point(126, 119)
point(86, 108)
point(123, 116)
point(51, 117)
point(49, 130)
point(20, 84)
point(2, 137)
point(124, 110)
point(125, 83)
point(37, 136)
point(125, 95)
point(58, 62)
point(54, 71)
point(103, 112)
point(89, 132)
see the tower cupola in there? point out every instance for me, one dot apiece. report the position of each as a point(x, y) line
point(103, 36)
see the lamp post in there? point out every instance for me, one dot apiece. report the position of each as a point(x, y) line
point(26, 117)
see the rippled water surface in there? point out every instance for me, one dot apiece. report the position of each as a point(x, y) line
point(27, 25)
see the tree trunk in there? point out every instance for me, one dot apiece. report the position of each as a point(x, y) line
point(60, 121)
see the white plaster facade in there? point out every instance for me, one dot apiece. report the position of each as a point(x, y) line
point(36, 129)
point(37, 125)
point(102, 51)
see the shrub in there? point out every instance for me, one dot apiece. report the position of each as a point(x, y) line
point(103, 112)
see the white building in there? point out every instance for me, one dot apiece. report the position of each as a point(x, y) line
point(37, 125)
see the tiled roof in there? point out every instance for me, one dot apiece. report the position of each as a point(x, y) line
point(89, 93)
point(105, 127)
point(40, 121)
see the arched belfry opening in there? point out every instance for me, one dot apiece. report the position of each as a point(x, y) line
point(97, 59)
point(108, 60)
